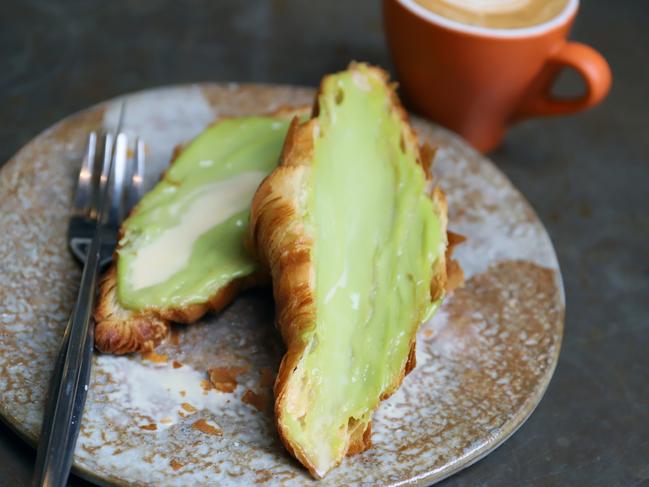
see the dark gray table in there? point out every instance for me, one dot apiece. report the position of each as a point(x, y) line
point(586, 175)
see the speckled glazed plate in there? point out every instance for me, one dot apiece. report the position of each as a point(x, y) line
point(484, 361)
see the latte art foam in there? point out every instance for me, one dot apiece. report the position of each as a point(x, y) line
point(487, 6)
point(497, 14)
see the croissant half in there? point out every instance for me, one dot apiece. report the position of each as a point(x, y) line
point(219, 169)
point(356, 245)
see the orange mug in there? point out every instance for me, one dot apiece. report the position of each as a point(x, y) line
point(477, 81)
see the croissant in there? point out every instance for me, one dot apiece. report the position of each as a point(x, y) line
point(355, 243)
point(181, 251)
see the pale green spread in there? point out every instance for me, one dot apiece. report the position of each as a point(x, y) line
point(376, 237)
point(185, 240)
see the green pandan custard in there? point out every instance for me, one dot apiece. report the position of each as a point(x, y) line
point(185, 239)
point(379, 240)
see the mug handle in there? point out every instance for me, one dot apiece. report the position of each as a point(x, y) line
point(589, 63)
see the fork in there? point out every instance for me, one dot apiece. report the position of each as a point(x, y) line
point(127, 188)
point(107, 189)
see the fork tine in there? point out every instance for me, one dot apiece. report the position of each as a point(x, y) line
point(116, 212)
point(81, 202)
point(135, 180)
point(103, 174)
point(128, 178)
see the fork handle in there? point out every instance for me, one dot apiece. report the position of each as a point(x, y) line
point(69, 384)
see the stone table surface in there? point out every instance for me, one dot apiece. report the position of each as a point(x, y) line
point(586, 175)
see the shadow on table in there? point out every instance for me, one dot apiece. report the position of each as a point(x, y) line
point(18, 471)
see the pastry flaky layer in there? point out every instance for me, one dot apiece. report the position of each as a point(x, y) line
point(356, 244)
point(121, 330)
point(177, 260)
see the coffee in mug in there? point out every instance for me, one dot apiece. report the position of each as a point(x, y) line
point(479, 79)
point(497, 14)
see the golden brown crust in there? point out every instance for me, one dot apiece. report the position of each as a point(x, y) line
point(282, 242)
point(119, 330)
point(360, 439)
point(454, 273)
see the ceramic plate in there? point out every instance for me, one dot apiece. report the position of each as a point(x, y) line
point(483, 362)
